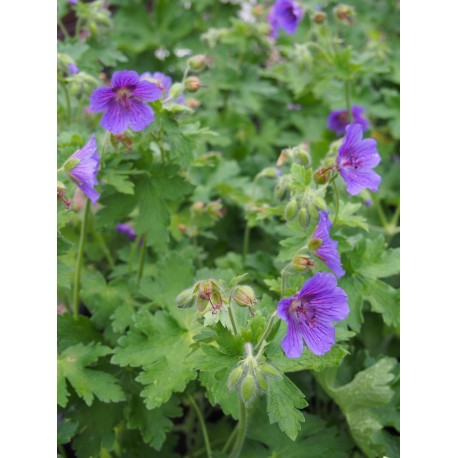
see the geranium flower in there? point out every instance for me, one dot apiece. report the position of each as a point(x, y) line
point(124, 103)
point(82, 167)
point(355, 160)
point(338, 120)
point(327, 249)
point(309, 314)
point(286, 15)
point(127, 230)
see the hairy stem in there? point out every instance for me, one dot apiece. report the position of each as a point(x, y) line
point(233, 321)
point(79, 259)
point(202, 424)
point(241, 427)
point(267, 330)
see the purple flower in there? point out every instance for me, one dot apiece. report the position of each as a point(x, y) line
point(294, 107)
point(327, 251)
point(73, 69)
point(165, 83)
point(84, 173)
point(286, 15)
point(73, 1)
point(127, 230)
point(124, 103)
point(338, 120)
point(355, 160)
point(309, 313)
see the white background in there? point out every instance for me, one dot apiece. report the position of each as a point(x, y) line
point(429, 300)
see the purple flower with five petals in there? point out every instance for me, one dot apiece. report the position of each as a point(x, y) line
point(327, 251)
point(286, 15)
point(309, 314)
point(124, 103)
point(355, 160)
point(127, 230)
point(84, 173)
point(338, 120)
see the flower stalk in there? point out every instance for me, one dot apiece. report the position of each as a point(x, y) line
point(79, 259)
point(241, 431)
point(202, 425)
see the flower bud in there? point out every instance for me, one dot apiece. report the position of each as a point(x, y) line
point(244, 295)
point(321, 175)
point(261, 381)
point(234, 378)
point(248, 389)
point(197, 62)
point(176, 90)
point(302, 263)
point(282, 158)
point(280, 189)
point(291, 210)
point(303, 156)
point(269, 370)
point(70, 164)
point(313, 212)
point(303, 217)
point(186, 298)
point(192, 84)
point(215, 209)
point(318, 17)
point(320, 202)
point(314, 244)
point(344, 12)
point(270, 172)
point(193, 103)
point(198, 208)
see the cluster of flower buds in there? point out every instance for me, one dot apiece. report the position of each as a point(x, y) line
point(81, 83)
point(95, 16)
point(301, 55)
point(251, 376)
point(214, 209)
point(204, 294)
point(299, 154)
point(344, 13)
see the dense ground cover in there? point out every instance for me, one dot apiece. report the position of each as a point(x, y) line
point(228, 229)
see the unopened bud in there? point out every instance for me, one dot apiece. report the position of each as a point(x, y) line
point(313, 211)
point(185, 299)
point(197, 62)
point(303, 156)
point(193, 103)
point(280, 189)
point(302, 263)
point(270, 172)
point(70, 164)
point(321, 175)
point(258, 10)
point(215, 209)
point(182, 228)
point(320, 202)
point(244, 295)
point(192, 84)
point(291, 210)
point(262, 382)
point(303, 217)
point(248, 389)
point(314, 244)
point(176, 90)
point(318, 17)
point(234, 378)
point(282, 158)
point(269, 370)
point(344, 12)
point(198, 207)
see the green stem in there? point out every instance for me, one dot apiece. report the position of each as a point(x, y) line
point(230, 439)
point(104, 247)
point(283, 280)
point(202, 424)
point(142, 260)
point(380, 211)
point(232, 317)
point(79, 259)
point(63, 28)
point(78, 29)
point(246, 234)
point(267, 330)
point(394, 220)
point(132, 254)
point(196, 247)
point(67, 102)
point(242, 427)
point(348, 100)
point(336, 194)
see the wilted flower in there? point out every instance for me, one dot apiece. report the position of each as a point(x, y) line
point(124, 103)
point(327, 249)
point(286, 15)
point(309, 314)
point(355, 160)
point(127, 230)
point(82, 167)
point(338, 120)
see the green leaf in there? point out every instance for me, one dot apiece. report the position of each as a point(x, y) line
point(160, 346)
point(65, 431)
point(72, 332)
point(71, 366)
point(368, 403)
point(283, 401)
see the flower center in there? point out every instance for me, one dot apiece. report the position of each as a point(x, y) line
point(351, 162)
point(123, 97)
point(343, 118)
point(304, 311)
